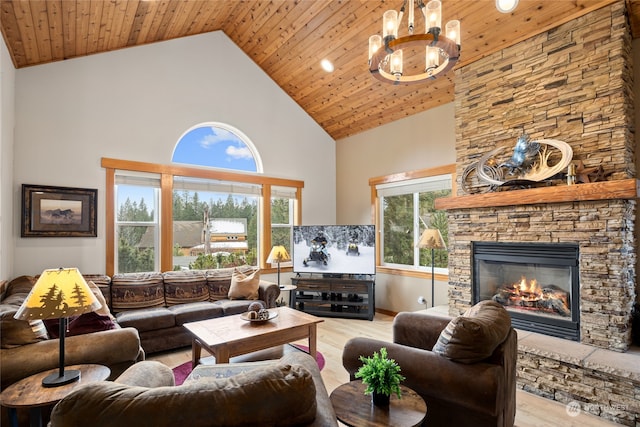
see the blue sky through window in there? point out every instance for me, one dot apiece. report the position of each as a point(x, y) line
point(214, 146)
point(209, 144)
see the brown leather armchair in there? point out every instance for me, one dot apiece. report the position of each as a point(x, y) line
point(457, 394)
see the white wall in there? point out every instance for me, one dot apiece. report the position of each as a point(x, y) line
point(421, 141)
point(134, 104)
point(7, 237)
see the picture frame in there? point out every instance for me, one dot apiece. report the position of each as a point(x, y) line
point(49, 211)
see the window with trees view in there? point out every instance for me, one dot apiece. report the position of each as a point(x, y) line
point(215, 224)
point(282, 217)
point(137, 223)
point(177, 217)
point(405, 209)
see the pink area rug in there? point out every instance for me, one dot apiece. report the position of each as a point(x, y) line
point(181, 372)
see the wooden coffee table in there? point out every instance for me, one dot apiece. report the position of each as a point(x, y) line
point(29, 392)
point(355, 409)
point(228, 336)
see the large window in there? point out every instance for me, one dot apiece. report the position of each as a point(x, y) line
point(404, 208)
point(137, 227)
point(228, 210)
point(162, 218)
point(215, 223)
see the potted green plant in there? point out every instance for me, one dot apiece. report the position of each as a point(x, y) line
point(381, 375)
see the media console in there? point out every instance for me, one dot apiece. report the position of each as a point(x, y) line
point(334, 296)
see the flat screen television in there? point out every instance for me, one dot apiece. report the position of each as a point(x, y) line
point(349, 249)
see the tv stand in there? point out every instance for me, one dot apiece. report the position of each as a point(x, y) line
point(334, 296)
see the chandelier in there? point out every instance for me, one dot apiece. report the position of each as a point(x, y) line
point(440, 52)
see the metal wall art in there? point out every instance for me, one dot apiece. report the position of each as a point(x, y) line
point(530, 162)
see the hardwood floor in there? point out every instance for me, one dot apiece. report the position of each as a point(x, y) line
point(532, 410)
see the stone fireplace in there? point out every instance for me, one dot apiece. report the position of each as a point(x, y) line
point(537, 283)
point(602, 232)
point(573, 83)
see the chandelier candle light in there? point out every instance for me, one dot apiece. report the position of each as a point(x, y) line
point(59, 294)
point(441, 51)
point(278, 254)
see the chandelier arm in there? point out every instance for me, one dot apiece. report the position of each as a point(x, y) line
point(378, 60)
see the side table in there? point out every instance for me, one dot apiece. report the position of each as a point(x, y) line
point(289, 288)
point(355, 409)
point(30, 394)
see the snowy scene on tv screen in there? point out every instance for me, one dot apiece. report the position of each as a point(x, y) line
point(334, 249)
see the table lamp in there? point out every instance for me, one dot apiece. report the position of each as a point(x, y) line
point(59, 294)
point(278, 254)
point(432, 239)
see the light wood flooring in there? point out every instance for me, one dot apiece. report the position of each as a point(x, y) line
point(333, 333)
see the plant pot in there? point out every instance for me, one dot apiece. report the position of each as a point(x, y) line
point(380, 399)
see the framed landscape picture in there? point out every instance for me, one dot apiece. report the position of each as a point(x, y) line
point(58, 211)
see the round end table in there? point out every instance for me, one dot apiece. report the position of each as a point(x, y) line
point(29, 392)
point(355, 409)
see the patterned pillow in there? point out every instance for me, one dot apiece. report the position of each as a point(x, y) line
point(185, 286)
point(103, 282)
point(218, 282)
point(476, 334)
point(104, 307)
point(244, 286)
point(136, 290)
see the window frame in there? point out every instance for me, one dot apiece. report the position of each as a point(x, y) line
point(291, 221)
point(376, 206)
point(167, 172)
point(148, 181)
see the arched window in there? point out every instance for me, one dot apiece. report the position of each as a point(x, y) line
point(182, 217)
point(217, 145)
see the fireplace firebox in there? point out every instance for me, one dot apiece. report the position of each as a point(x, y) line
point(537, 283)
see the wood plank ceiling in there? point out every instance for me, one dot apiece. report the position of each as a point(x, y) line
point(287, 39)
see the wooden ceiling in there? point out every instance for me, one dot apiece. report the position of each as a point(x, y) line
point(287, 39)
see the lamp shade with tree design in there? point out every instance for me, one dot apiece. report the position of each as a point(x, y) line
point(59, 294)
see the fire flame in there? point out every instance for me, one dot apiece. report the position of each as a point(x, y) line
point(530, 295)
point(530, 291)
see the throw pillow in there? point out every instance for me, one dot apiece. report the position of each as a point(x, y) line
point(14, 332)
point(181, 287)
point(21, 285)
point(104, 308)
point(218, 282)
point(476, 334)
point(244, 286)
point(99, 320)
point(84, 324)
point(131, 291)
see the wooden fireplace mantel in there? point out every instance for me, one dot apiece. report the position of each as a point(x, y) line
point(605, 190)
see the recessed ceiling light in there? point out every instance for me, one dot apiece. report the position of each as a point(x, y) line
point(326, 65)
point(506, 6)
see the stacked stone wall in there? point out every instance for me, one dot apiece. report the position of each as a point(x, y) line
point(611, 394)
point(572, 83)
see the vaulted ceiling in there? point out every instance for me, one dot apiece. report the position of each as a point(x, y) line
point(287, 39)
